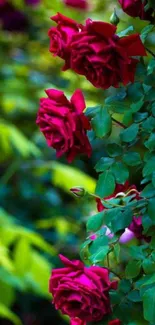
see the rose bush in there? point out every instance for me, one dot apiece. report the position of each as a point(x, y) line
point(108, 59)
point(81, 292)
point(63, 123)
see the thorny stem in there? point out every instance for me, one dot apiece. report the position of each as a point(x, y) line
point(150, 52)
point(119, 123)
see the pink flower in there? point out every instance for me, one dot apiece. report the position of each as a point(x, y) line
point(81, 292)
point(135, 8)
point(63, 123)
point(77, 4)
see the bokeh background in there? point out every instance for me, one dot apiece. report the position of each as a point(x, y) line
point(39, 217)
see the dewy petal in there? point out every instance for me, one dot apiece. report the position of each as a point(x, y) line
point(133, 45)
point(78, 101)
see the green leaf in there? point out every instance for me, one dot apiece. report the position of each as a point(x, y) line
point(145, 31)
point(95, 222)
point(22, 256)
point(153, 109)
point(114, 150)
point(148, 191)
point(105, 185)
point(125, 285)
point(135, 91)
point(103, 164)
point(151, 210)
point(120, 172)
point(121, 219)
point(148, 266)
point(132, 158)
point(139, 117)
point(133, 269)
point(135, 107)
point(102, 123)
point(8, 314)
point(129, 134)
point(149, 124)
point(151, 66)
point(117, 250)
point(149, 305)
point(126, 31)
point(100, 255)
point(150, 143)
point(149, 167)
point(134, 296)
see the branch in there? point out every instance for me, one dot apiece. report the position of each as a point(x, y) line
point(150, 52)
point(119, 123)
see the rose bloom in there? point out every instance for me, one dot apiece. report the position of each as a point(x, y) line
point(135, 8)
point(135, 227)
point(81, 293)
point(61, 36)
point(12, 19)
point(63, 123)
point(77, 4)
point(104, 58)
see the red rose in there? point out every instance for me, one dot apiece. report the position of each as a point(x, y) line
point(78, 4)
point(63, 123)
point(115, 322)
point(136, 224)
point(60, 36)
point(81, 292)
point(135, 8)
point(104, 58)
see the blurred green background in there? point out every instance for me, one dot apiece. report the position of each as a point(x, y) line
point(39, 217)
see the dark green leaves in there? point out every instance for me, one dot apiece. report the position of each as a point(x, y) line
point(102, 123)
point(151, 209)
point(120, 172)
point(104, 164)
point(105, 185)
point(133, 269)
point(129, 134)
point(132, 158)
point(95, 222)
point(149, 305)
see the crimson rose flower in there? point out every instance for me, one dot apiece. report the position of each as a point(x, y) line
point(104, 58)
point(63, 123)
point(81, 292)
point(60, 36)
point(135, 8)
point(136, 224)
point(78, 4)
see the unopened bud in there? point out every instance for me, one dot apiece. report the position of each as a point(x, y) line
point(78, 191)
point(114, 19)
